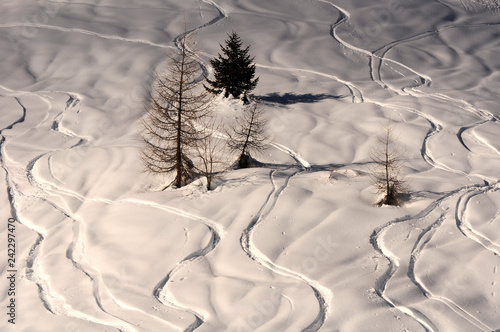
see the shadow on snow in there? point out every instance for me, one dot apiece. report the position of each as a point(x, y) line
point(292, 98)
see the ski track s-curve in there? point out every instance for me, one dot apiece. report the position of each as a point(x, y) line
point(77, 247)
point(51, 301)
point(76, 250)
point(103, 296)
point(322, 294)
point(436, 127)
point(217, 233)
point(466, 228)
point(76, 254)
point(424, 238)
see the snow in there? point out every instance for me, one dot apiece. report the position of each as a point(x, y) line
point(295, 245)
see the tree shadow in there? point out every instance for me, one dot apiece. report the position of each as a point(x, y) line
point(292, 98)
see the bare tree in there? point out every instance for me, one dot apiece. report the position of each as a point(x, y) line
point(176, 103)
point(389, 159)
point(248, 135)
point(212, 151)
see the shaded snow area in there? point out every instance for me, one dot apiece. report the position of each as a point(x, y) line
point(298, 244)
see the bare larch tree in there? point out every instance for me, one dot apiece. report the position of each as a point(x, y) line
point(177, 102)
point(389, 159)
point(248, 135)
point(212, 152)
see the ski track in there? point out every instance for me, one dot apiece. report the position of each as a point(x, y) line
point(76, 253)
point(217, 233)
point(377, 241)
point(377, 238)
point(322, 294)
point(222, 15)
point(460, 210)
point(344, 17)
point(76, 250)
point(83, 32)
point(466, 228)
point(423, 239)
point(54, 303)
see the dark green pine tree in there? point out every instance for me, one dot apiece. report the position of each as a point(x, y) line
point(234, 71)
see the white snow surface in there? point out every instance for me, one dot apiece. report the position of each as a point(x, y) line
point(295, 245)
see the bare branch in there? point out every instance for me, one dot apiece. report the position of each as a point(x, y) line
point(389, 160)
point(249, 134)
point(177, 101)
point(212, 151)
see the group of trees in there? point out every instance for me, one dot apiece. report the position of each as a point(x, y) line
point(180, 133)
point(182, 136)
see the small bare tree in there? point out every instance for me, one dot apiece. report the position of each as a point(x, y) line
point(177, 102)
point(389, 159)
point(248, 135)
point(211, 152)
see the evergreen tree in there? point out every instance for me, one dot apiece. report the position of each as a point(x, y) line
point(234, 71)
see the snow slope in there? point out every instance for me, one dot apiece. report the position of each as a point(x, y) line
point(295, 245)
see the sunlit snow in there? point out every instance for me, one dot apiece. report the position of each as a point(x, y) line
point(298, 244)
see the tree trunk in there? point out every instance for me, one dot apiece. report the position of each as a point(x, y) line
point(179, 121)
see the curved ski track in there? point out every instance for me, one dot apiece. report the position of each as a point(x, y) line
point(466, 193)
point(53, 302)
point(76, 253)
point(377, 237)
point(322, 294)
point(83, 32)
point(76, 250)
